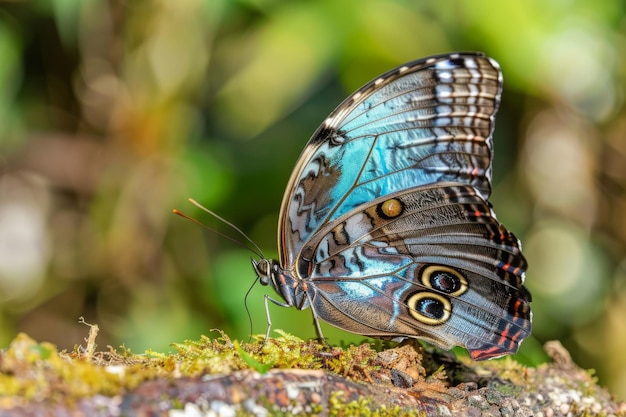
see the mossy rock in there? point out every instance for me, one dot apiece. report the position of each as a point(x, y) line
point(288, 376)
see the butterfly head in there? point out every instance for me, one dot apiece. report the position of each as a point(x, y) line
point(294, 291)
point(265, 269)
point(269, 273)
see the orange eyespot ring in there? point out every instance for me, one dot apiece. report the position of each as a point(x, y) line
point(391, 208)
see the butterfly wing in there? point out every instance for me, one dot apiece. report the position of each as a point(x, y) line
point(385, 227)
point(427, 121)
point(430, 262)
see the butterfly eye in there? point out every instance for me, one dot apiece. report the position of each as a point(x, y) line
point(263, 270)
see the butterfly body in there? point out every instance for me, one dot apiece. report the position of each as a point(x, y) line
point(385, 227)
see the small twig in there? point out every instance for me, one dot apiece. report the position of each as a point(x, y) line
point(91, 339)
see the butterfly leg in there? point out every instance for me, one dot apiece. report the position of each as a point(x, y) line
point(318, 329)
point(267, 314)
point(316, 320)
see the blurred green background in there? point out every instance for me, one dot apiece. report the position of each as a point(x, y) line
point(113, 113)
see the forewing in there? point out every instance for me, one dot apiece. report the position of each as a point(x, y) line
point(424, 122)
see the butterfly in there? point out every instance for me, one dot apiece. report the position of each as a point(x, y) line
point(386, 229)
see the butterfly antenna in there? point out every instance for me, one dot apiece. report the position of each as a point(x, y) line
point(254, 249)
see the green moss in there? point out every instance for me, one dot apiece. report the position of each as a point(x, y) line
point(212, 356)
point(288, 351)
point(33, 371)
point(261, 368)
point(364, 407)
point(509, 390)
point(356, 362)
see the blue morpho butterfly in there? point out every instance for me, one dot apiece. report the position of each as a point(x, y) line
point(385, 227)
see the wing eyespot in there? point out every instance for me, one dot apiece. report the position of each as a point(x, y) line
point(443, 279)
point(390, 209)
point(429, 308)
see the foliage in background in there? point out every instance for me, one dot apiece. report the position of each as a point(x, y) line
point(113, 113)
